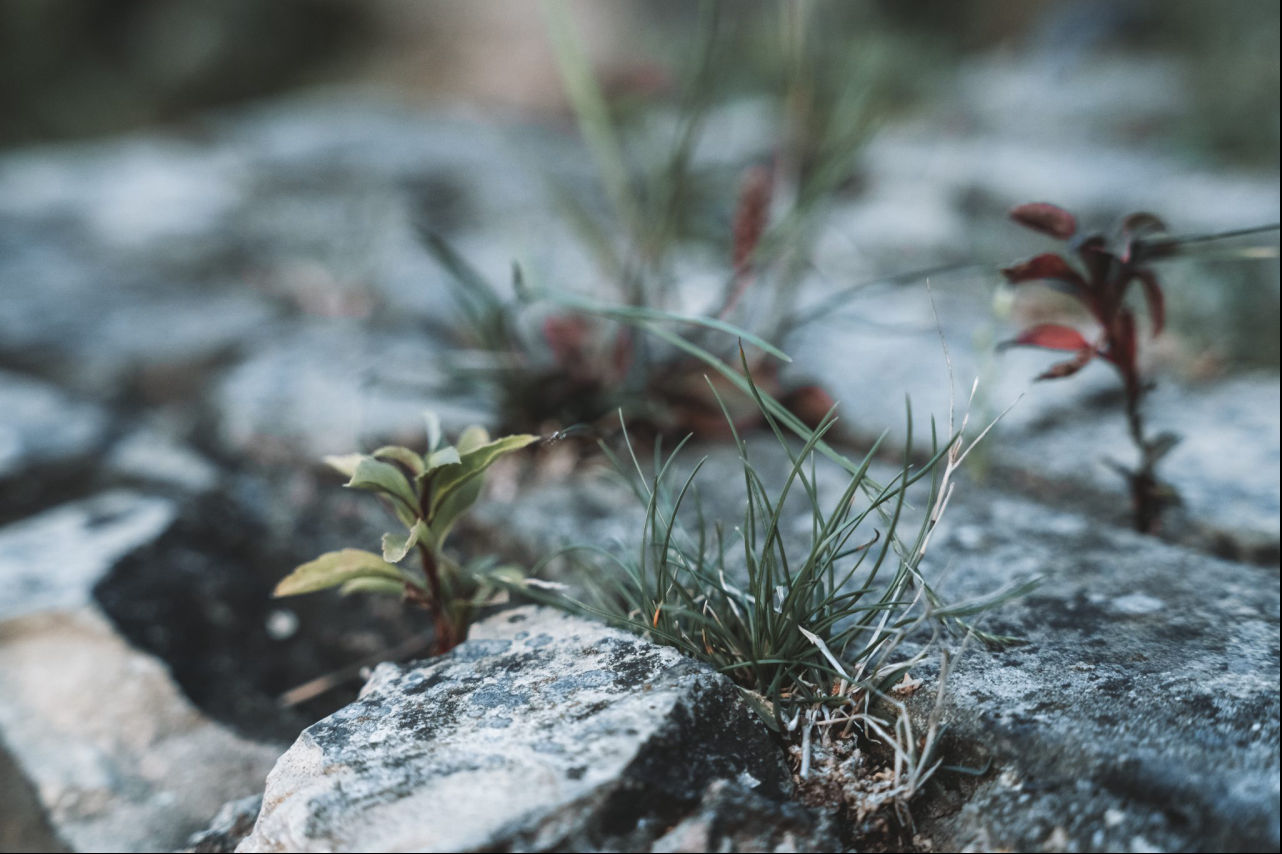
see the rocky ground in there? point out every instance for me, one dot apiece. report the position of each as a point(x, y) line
point(188, 320)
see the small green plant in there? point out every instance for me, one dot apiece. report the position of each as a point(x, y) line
point(427, 494)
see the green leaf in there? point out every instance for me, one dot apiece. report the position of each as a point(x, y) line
point(473, 437)
point(477, 454)
point(344, 464)
point(371, 584)
point(443, 457)
point(374, 476)
point(404, 456)
point(396, 546)
point(459, 500)
point(433, 430)
point(334, 568)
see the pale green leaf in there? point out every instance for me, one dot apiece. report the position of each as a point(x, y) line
point(473, 463)
point(473, 437)
point(375, 476)
point(397, 546)
point(372, 584)
point(344, 464)
point(443, 457)
point(334, 568)
point(433, 430)
point(456, 502)
point(404, 456)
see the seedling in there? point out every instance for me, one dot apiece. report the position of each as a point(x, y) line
point(427, 494)
point(1108, 267)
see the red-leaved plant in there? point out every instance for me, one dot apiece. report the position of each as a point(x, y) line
point(1108, 266)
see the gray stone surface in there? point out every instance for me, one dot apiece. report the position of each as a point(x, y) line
point(51, 561)
point(332, 388)
point(150, 455)
point(44, 425)
point(1142, 712)
point(114, 757)
point(119, 758)
point(1225, 468)
point(229, 828)
point(1058, 434)
point(541, 732)
point(731, 818)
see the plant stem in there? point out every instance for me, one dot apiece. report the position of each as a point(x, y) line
point(446, 636)
point(1145, 492)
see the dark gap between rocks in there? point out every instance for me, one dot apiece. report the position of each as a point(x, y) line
point(199, 598)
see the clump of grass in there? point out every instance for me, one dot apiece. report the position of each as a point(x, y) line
point(553, 358)
point(802, 626)
point(810, 627)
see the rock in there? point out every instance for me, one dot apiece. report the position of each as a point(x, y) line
point(1142, 711)
point(229, 828)
point(103, 327)
point(541, 732)
point(331, 389)
point(116, 756)
point(1225, 467)
point(150, 456)
point(1058, 435)
point(43, 426)
point(121, 761)
point(731, 818)
point(51, 561)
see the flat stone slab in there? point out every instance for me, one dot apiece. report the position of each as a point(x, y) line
point(1225, 467)
point(542, 732)
point(1142, 712)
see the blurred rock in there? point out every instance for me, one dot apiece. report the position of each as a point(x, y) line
point(1056, 437)
point(229, 828)
point(541, 732)
point(150, 456)
point(43, 425)
point(118, 758)
point(1225, 467)
point(1141, 711)
point(52, 561)
point(333, 388)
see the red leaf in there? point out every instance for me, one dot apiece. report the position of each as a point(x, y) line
point(1046, 218)
point(566, 337)
point(1051, 336)
point(1137, 227)
point(1068, 368)
point(1048, 266)
point(1153, 296)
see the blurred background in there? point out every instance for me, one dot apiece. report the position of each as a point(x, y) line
point(77, 68)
